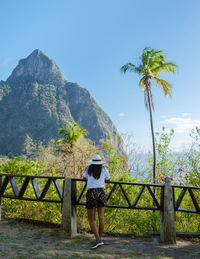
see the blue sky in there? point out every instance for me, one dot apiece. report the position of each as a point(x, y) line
point(91, 39)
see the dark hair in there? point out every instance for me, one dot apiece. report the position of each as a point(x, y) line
point(95, 171)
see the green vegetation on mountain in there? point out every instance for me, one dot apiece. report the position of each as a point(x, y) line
point(36, 101)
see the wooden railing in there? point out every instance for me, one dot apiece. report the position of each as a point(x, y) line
point(163, 196)
point(18, 192)
point(158, 203)
point(193, 201)
point(41, 191)
point(26, 180)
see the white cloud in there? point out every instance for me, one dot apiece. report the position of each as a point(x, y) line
point(181, 124)
point(121, 114)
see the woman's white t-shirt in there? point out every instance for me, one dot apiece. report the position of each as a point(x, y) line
point(97, 183)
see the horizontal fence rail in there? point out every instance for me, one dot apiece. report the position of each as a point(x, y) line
point(27, 180)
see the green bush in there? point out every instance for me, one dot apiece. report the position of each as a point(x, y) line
point(29, 209)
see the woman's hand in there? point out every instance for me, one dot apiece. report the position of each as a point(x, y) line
point(107, 181)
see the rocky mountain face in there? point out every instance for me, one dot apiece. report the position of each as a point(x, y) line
point(36, 101)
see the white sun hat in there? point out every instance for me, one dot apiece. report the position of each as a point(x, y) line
point(96, 160)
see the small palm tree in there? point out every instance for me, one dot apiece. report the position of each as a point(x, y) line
point(71, 133)
point(153, 63)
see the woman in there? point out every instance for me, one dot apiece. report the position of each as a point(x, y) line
point(96, 174)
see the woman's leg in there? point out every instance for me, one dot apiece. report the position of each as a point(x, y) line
point(101, 220)
point(91, 219)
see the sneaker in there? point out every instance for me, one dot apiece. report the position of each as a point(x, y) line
point(101, 241)
point(96, 244)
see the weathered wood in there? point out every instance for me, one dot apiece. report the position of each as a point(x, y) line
point(58, 188)
point(130, 183)
point(194, 200)
point(30, 199)
point(19, 194)
point(126, 197)
point(162, 199)
point(14, 186)
point(122, 207)
point(153, 196)
point(69, 218)
point(186, 187)
point(4, 185)
point(180, 198)
point(46, 188)
point(128, 207)
point(138, 196)
point(167, 216)
point(23, 188)
point(111, 191)
point(36, 188)
point(73, 200)
point(33, 176)
point(173, 197)
point(81, 194)
point(188, 211)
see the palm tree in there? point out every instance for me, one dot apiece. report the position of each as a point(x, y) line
point(71, 133)
point(153, 63)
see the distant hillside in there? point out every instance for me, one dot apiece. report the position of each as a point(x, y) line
point(36, 101)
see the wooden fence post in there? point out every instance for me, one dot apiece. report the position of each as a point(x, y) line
point(167, 216)
point(69, 217)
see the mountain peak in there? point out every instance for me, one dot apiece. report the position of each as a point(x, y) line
point(37, 67)
point(38, 52)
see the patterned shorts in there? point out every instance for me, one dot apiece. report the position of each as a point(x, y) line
point(95, 198)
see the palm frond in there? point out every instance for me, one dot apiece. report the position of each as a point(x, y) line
point(142, 83)
point(146, 56)
point(157, 58)
point(129, 67)
point(167, 67)
point(148, 48)
point(158, 54)
point(165, 86)
point(141, 69)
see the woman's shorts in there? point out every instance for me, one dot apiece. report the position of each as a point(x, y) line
point(95, 198)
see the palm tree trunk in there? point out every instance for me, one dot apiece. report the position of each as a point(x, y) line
point(152, 130)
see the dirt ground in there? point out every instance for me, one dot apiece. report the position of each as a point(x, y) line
point(22, 240)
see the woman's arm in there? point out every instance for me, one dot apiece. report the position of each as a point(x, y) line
point(85, 174)
point(107, 176)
